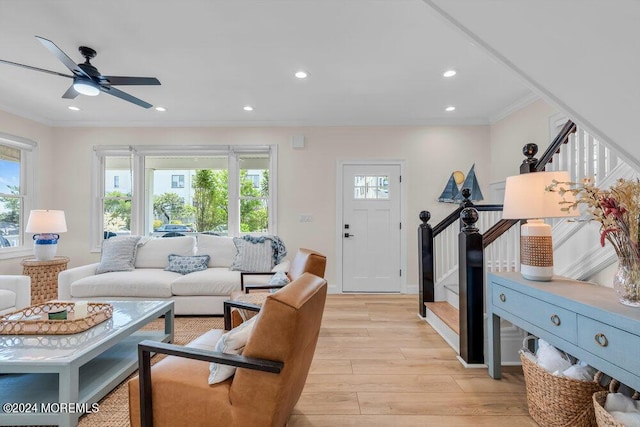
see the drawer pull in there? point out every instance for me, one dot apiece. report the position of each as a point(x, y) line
point(555, 319)
point(503, 298)
point(601, 340)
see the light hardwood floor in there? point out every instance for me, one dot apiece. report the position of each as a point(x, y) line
point(377, 364)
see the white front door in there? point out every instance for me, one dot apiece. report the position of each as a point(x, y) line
point(371, 228)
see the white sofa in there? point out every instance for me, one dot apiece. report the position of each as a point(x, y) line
point(15, 293)
point(200, 292)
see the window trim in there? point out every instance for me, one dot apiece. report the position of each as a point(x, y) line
point(28, 180)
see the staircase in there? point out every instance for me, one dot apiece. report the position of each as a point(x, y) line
point(440, 293)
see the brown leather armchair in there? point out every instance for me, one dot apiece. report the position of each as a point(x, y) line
point(271, 373)
point(305, 261)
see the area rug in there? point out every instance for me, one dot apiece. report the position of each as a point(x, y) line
point(114, 408)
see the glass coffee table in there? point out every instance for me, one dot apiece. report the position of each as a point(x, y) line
point(54, 379)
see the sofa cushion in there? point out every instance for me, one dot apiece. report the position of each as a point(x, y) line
point(140, 283)
point(7, 299)
point(253, 257)
point(212, 281)
point(118, 254)
point(221, 249)
point(154, 252)
point(187, 264)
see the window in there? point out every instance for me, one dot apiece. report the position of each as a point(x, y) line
point(254, 192)
point(371, 187)
point(116, 201)
point(177, 181)
point(16, 192)
point(222, 190)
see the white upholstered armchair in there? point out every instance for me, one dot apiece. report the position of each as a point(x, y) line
point(15, 293)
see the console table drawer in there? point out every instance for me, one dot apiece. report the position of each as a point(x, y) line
point(610, 343)
point(551, 318)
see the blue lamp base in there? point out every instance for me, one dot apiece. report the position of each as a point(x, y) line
point(45, 246)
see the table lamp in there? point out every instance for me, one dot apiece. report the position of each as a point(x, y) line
point(46, 223)
point(525, 197)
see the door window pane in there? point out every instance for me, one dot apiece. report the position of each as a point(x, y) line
point(371, 187)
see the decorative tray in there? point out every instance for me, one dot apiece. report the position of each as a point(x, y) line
point(35, 320)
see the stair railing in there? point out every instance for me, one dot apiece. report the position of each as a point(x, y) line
point(471, 248)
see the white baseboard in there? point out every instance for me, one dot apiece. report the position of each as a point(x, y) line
point(471, 365)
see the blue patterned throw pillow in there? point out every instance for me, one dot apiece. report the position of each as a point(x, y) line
point(279, 279)
point(187, 264)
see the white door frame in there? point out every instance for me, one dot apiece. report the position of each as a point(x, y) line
point(338, 287)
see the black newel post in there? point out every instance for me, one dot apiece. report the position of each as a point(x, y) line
point(529, 164)
point(471, 274)
point(466, 203)
point(425, 249)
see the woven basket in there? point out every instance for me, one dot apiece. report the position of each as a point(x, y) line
point(558, 401)
point(604, 418)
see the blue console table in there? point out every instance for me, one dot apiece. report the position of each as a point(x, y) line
point(582, 319)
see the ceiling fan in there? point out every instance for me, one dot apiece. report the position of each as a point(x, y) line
point(87, 80)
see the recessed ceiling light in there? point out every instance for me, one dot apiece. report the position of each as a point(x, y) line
point(247, 108)
point(301, 74)
point(450, 108)
point(449, 73)
point(161, 109)
point(73, 108)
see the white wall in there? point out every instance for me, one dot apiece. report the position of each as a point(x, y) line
point(578, 55)
point(306, 177)
point(527, 125)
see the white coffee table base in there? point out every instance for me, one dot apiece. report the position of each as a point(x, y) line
point(66, 383)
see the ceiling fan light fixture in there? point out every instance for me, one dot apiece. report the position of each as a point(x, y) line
point(85, 87)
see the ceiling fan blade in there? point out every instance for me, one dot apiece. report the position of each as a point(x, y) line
point(29, 67)
point(68, 62)
point(120, 80)
point(71, 93)
point(123, 95)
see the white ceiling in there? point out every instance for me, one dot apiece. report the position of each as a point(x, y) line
point(371, 62)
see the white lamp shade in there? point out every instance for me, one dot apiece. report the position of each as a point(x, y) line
point(525, 196)
point(46, 221)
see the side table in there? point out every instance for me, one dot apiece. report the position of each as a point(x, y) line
point(44, 277)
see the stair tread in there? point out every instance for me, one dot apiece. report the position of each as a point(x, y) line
point(448, 313)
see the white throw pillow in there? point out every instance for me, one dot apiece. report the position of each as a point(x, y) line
point(232, 342)
point(118, 254)
point(253, 257)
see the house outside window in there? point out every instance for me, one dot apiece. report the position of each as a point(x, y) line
point(116, 181)
point(17, 187)
point(221, 190)
point(177, 181)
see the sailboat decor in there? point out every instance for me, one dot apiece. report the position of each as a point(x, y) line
point(452, 193)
